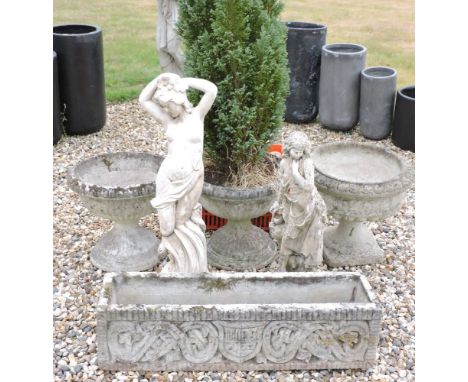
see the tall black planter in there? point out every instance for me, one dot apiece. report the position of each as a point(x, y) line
point(81, 77)
point(304, 45)
point(403, 121)
point(57, 126)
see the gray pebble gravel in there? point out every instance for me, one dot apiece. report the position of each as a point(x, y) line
point(77, 283)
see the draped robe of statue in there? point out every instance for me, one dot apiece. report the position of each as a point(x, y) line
point(167, 41)
point(180, 181)
point(302, 213)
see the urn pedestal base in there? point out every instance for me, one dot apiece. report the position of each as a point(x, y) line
point(240, 245)
point(126, 247)
point(349, 244)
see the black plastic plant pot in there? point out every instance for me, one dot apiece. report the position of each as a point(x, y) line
point(340, 83)
point(304, 46)
point(378, 88)
point(57, 126)
point(81, 77)
point(404, 119)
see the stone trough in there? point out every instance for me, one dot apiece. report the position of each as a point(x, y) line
point(237, 321)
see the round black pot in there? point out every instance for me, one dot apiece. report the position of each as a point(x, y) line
point(81, 77)
point(340, 83)
point(304, 46)
point(57, 126)
point(403, 121)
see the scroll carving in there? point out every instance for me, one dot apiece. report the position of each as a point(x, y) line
point(204, 342)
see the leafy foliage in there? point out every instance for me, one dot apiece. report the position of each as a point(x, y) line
point(240, 45)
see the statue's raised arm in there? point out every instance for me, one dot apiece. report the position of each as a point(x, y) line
point(206, 87)
point(147, 100)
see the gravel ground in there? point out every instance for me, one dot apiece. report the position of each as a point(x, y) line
point(77, 283)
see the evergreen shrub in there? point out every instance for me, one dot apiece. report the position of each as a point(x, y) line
point(240, 45)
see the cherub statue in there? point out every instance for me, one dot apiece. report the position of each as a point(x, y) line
point(299, 213)
point(179, 181)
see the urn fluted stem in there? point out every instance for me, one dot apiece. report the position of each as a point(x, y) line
point(240, 245)
point(126, 247)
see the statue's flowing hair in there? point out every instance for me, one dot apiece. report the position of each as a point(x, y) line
point(299, 141)
point(171, 89)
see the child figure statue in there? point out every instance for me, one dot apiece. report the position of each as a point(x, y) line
point(299, 212)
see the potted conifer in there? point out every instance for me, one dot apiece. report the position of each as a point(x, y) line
point(240, 45)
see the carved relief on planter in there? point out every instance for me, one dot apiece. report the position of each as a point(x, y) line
point(203, 342)
point(330, 322)
point(240, 341)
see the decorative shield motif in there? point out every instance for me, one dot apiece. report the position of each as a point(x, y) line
point(239, 341)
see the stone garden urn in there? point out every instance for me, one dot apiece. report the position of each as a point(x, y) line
point(239, 245)
point(119, 187)
point(358, 182)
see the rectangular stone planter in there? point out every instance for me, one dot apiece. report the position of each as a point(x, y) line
point(237, 321)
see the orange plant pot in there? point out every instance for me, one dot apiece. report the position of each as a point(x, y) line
point(276, 148)
point(214, 222)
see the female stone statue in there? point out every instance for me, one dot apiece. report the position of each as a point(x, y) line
point(168, 41)
point(299, 212)
point(179, 181)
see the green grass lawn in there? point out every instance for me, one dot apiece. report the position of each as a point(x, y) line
point(386, 28)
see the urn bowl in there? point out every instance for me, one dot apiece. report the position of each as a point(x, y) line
point(119, 187)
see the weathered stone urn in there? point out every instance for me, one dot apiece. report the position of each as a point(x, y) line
point(239, 245)
point(358, 182)
point(237, 321)
point(119, 187)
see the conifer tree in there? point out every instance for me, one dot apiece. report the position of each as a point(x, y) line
point(240, 45)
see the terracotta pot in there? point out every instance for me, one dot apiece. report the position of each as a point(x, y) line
point(214, 222)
